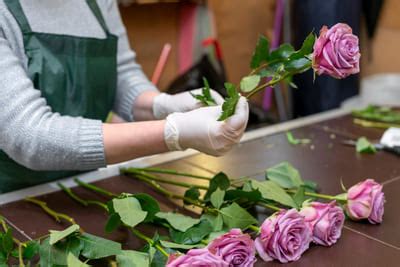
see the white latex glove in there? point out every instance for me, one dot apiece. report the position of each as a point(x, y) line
point(200, 130)
point(165, 104)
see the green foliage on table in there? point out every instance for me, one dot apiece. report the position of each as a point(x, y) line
point(364, 146)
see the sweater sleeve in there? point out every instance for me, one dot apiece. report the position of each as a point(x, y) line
point(33, 135)
point(131, 79)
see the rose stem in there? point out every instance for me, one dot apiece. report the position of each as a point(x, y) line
point(164, 171)
point(310, 194)
point(265, 205)
point(161, 180)
point(149, 241)
point(169, 194)
point(56, 215)
point(103, 206)
point(254, 228)
point(273, 82)
point(16, 241)
point(84, 202)
point(95, 188)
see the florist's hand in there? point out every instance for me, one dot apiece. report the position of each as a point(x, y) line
point(165, 104)
point(200, 130)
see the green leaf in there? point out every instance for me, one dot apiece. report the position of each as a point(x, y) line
point(131, 258)
point(299, 197)
point(57, 254)
point(31, 249)
point(294, 141)
point(214, 235)
point(193, 235)
point(95, 247)
point(129, 210)
point(261, 52)
point(158, 260)
point(285, 175)
point(113, 222)
point(217, 198)
point(364, 146)
point(205, 98)
point(229, 105)
point(235, 216)
point(298, 65)
point(148, 204)
point(178, 221)
point(310, 186)
point(282, 52)
point(221, 181)
point(168, 244)
point(73, 261)
point(56, 236)
point(248, 83)
point(379, 114)
point(7, 241)
point(192, 193)
point(239, 195)
point(306, 48)
point(272, 191)
point(215, 220)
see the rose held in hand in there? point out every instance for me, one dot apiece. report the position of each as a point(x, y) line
point(196, 258)
point(326, 221)
point(284, 236)
point(365, 200)
point(236, 248)
point(336, 52)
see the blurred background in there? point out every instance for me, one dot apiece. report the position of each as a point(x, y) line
point(179, 42)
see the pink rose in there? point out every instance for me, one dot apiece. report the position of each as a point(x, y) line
point(236, 248)
point(196, 258)
point(326, 221)
point(336, 52)
point(365, 200)
point(284, 236)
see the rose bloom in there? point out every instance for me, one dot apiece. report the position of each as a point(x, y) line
point(365, 200)
point(196, 258)
point(284, 236)
point(236, 248)
point(326, 221)
point(336, 52)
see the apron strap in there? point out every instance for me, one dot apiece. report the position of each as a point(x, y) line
point(16, 10)
point(97, 12)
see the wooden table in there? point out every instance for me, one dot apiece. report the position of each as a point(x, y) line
point(326, 161)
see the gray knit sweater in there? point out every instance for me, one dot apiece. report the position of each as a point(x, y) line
point(30, 132)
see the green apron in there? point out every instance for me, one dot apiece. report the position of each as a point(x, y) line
point(77, 77)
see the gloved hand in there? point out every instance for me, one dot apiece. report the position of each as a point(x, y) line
point(200, 130)
point(165, 104)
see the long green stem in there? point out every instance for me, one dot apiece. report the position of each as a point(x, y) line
point(311, 194)
point(254, 228)
point(149, 241)
point(165, 171)
point(265, 205)
point(20, 258)
point(95, 188)
point(56, 215)
point(165, 181)
point(83, 202)
point(169, 194)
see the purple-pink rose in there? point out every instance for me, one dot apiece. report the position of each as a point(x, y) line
point(365, 200)
point(336, 52)
point(326, 221)
point(284, 236)
point(236, 248)
point(196, 258)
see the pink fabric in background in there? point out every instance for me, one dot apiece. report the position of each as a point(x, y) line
point(186, 36)
point(267, 99)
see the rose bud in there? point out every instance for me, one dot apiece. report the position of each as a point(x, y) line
point(236, 248)
point(326, 221)
point(196, 258)
point(336, 52)
point(284, 236)
point(365, 200)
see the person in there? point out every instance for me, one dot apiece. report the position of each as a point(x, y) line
point(63, 66)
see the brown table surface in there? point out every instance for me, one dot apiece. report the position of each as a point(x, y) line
point(325, 161)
